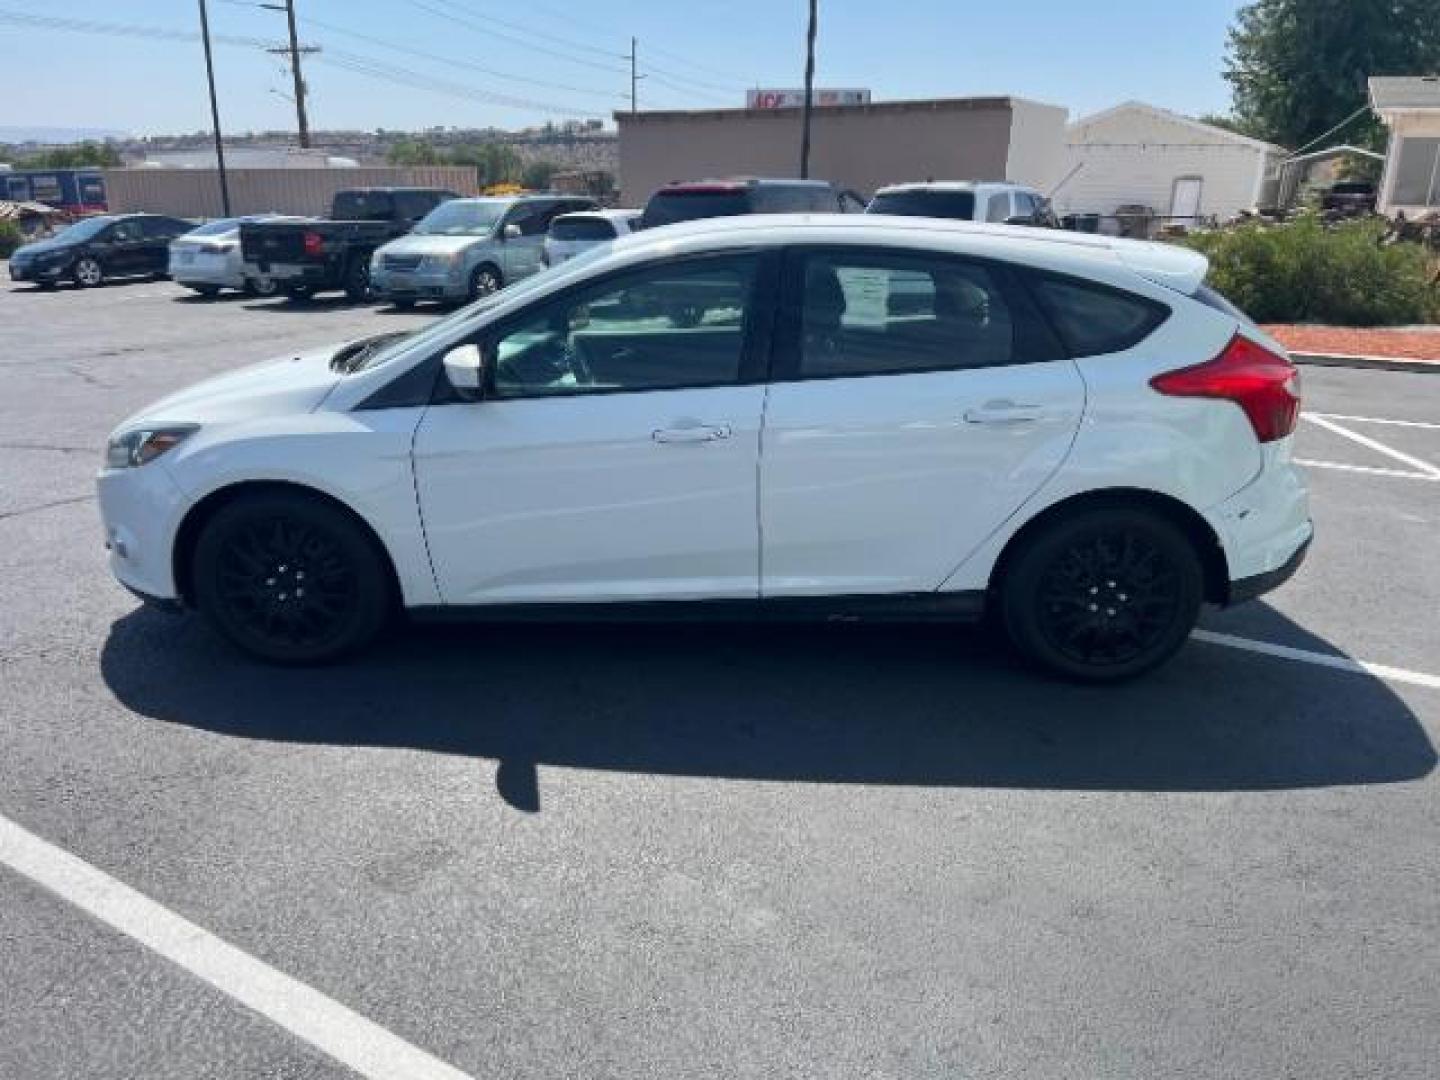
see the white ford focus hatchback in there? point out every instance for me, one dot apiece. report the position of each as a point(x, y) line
point(766, 417)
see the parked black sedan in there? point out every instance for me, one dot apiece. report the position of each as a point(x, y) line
point(98, 248)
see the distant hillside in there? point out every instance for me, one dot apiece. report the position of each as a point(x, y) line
point(57, 135)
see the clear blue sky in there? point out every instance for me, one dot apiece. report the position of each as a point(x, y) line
point(1082, 56)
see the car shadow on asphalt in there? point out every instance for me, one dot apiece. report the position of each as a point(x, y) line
point(829, 704)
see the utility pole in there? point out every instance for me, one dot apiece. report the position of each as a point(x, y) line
point(635, 78)
point(215, 111)
point(294, 52)
point(809, 91)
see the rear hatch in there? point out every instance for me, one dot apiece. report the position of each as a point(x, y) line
point(691, 202)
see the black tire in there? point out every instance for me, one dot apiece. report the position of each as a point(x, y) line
point(257, 556)
point(261, 287)
point(401, 304)
point(1103, 595)
point(88, 272)
point(45, 286)
point(207, 291)
point(357, 279)
point(485, 280)
point(298, 294)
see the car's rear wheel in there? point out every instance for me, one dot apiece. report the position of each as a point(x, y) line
point(357, 280)
point(1103, 595)
point(290, 579)
point(88, 272)
point(207, 291)
point(298, 293)
point(401, 303)
point(262, 286)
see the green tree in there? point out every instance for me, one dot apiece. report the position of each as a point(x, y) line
point(412, 152)
point(538, 174)
point(1297, 68)
point(82, 155)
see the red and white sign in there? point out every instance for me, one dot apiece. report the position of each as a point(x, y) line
point(795, 99)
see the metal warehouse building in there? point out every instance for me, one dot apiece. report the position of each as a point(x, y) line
point(861, 147)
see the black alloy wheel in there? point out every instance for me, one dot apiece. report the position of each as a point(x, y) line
point(290, 579)
point(1104, 595)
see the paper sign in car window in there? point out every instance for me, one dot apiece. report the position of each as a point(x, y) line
point(867, 294)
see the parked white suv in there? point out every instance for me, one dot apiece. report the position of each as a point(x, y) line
point(571, 234)
point(737, 415)
point(995, 202)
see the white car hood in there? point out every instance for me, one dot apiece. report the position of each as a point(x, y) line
point(430, 245)
point(285, 385)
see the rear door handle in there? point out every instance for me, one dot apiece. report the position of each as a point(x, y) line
point(1005, 412)
point(698, 433)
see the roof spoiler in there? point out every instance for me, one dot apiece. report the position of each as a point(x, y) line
point(1174, 267)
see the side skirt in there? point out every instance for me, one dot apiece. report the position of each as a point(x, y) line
point(898, 608)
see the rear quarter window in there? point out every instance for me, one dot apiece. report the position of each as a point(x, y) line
point(1093, 319)
point(581, 229)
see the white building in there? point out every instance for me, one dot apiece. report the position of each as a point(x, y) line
point(1137, 154)
point(1410, 108)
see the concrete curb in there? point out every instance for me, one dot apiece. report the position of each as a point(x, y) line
point(1379, 363)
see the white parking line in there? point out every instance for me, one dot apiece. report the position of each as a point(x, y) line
point(1370, 469)
point(321, 1021)
point(1374, 420)
point(1374, 444)
point(1340, 663)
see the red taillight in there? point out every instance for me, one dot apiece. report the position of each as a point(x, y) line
point(314, 244)
point(1265, 385)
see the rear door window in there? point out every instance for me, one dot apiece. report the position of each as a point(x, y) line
point(940, 204)
point(568, 228)
point(413, 205)
point(891, 313)
point(1093, 319)
point(363, 206)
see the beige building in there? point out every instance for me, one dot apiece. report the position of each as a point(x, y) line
point(1180, 168)
point(1410, 108)
point(861, 147)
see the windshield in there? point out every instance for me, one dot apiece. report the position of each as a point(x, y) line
point(85, 230)
point(668, 207)
point(941, 204)
point(437, 330)
point(463, 217)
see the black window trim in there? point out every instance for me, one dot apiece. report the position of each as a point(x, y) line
point(754, 354)
point(786, 351)
point(1031, 276)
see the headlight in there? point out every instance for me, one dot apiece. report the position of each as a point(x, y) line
point(443, 262)
point(143, 445)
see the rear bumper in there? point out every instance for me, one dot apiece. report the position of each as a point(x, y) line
point(1259, 584)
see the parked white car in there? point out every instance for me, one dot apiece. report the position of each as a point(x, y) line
point(995, 202)
point(1074, 433)
point(570, 234)
point(208, 259)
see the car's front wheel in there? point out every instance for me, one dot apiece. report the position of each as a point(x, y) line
point(1103, 595)
point(290, 578)
point(484, 281)
point(88, 272)
point(261, 286)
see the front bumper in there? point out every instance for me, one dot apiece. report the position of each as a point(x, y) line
point(140, 510)
point(31, 271)
point(418, 284)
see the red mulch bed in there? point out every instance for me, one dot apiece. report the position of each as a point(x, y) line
point(1413, 343)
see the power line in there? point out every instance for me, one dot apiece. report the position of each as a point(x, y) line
point(466, 64)
point(358, 63)
point(294, 51)
point(514, 40)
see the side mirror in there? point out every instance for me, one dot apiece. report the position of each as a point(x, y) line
point(465, 368)
point(510, 232)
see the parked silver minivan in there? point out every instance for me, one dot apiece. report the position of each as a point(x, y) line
point(467, 248)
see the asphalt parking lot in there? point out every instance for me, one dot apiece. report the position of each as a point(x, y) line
point(845, 851)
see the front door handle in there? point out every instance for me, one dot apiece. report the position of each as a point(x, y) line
point(696, 433)
point(1004, 412)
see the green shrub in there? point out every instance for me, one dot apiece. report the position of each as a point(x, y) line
point(1304, 271)
point(10, 238)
